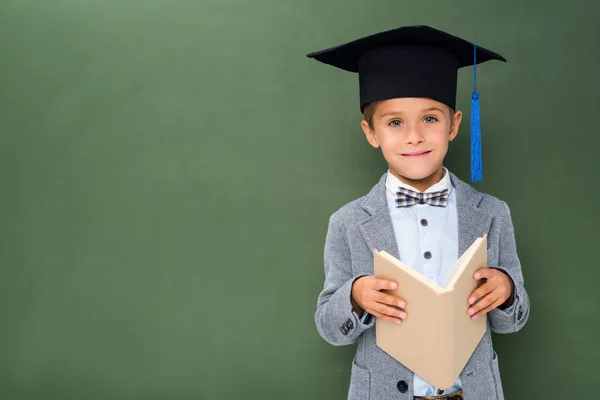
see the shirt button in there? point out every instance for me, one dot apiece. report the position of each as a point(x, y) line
point(427, 255)
point(402, 386)
point(440, 392)
point(424, 222)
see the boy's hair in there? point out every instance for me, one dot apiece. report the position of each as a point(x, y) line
point(370, 108)
point(369, 111)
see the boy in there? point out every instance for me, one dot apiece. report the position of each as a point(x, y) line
point(418, 211)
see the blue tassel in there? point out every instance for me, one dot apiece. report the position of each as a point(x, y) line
point(476, 164)
point(476, 161)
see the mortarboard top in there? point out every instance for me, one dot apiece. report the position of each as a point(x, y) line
point(412, 61)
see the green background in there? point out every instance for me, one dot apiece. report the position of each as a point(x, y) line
point(168, 169)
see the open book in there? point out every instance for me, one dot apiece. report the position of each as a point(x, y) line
point(438, 337)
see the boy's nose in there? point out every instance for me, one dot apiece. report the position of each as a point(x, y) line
point(414, 136)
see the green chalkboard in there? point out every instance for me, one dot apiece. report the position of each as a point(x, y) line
point(168, 169)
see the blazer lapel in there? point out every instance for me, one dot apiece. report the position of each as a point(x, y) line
point(377, 229)
point(472, 222)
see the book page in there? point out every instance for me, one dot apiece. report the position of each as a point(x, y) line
point(408, 272)
point(414, 343)
point(463, 262)
point(467, 332)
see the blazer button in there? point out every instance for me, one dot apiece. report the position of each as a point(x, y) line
point(402, 387)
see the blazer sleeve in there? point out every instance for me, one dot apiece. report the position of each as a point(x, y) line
point(336, 322)
point(513, 319)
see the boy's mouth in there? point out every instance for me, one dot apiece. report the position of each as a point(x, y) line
point(416, 154)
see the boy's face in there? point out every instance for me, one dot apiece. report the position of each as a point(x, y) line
point(413, 134)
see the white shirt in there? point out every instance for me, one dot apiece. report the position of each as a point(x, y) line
point(424, 228)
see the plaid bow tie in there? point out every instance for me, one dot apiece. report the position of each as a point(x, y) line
point(406, 198)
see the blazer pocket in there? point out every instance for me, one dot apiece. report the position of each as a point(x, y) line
point(360, 383)
point(496, 375)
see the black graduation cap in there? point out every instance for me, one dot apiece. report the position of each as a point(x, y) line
point(412, 61)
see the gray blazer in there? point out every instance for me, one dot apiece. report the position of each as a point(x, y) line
point(363, 225)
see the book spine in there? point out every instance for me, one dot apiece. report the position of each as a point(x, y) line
point(446, 351)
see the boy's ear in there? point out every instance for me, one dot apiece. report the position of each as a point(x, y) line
point(369, 133)
point(455, 125)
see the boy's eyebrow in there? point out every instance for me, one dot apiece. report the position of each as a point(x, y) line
point(434, 109)
point(391, 113)
point(400, 112)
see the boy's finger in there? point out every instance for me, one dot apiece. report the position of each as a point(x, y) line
point(389, 311)
point(482, 304)
point(389, 299)
point(483, 273)
point(486, 309)
point(383, 284)
point(390, 319)
point(480, 292)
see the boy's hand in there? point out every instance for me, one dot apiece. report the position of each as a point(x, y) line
point(495, 292)
point(366, 295)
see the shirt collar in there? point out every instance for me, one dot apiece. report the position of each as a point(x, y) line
point(392, 183)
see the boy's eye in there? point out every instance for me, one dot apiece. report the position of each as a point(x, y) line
point(395, 123)
point(430, 119)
